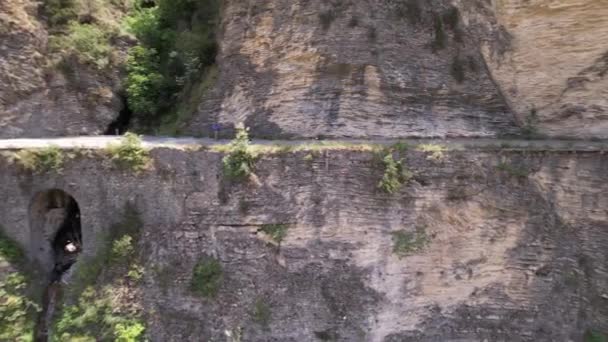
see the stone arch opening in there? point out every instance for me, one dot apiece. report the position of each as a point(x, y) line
point(56, 234)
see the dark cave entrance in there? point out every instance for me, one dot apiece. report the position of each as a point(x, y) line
point(121, 123)
point(56, 230)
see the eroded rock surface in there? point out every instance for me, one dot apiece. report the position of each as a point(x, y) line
point(514, 248)
point(556, 64)
point(40, 98)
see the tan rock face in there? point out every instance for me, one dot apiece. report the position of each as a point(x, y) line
point(557, 64)
point(369, 68)
point(352, 69)
point(39, 99)
point(515, 246)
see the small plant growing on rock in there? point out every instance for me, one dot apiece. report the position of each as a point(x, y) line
point(207, 277)
point(276, 231)
point(130, 154)
point(41, 160)
point(405, 243)
point(395, 174)
point(239, 163)
point(435, 151)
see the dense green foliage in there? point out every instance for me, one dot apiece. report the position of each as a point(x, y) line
point(94, 318)
point(9, 251)
point(395, 174)
point(89, 43)
point(17, 309)
point(207, 277)
point(129, 154)
point(41, 160)
point(176, 46)
point(276, 231)
point(238, 164)
point(60, 12)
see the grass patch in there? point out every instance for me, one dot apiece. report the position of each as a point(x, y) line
point(89, 43)
point(40, 160)
point(406, 243)
point(277, 232)
point(18, 309)
point(435, 151)
point(261, 313)
point(129, 154)
point(240, 161)
point(207, 276)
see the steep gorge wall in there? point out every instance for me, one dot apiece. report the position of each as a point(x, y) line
point(556, 64)
point(41, 95)
point(411, 68)
point(365, 68)
point(516, 243)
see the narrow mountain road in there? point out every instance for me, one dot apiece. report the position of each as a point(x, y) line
point(99, 142)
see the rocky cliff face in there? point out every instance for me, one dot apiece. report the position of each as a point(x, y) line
point(40, 96)
point(411, 68)
point(353, 69)
point(556, 64)
point(368, 68)
point(493, 245)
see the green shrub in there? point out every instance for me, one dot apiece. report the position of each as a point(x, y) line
point(405, 243)
point(115, 255)
point(17, 309)
point(41, 160)
point(60, 12)
point(94, 318)
point(239, 163)
point(261, 313)
point(129, 154)
point(9, 250)
point(122, 247)
point(89, 43)
point(395, 174)
point(276, 231)
point(171, 57)
point(207, 277)
point(144, 83)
